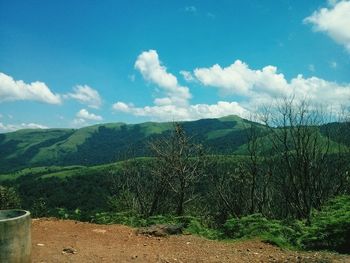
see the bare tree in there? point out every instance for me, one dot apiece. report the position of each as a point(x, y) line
point(242, 185)
point(179, 165)
point(256, 168)
point(230, 186)
point(130, 185)
point(301, 154)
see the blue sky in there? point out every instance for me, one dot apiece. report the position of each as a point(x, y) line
point(75, 63)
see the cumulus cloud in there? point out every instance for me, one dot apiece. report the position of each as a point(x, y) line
point(332, 2)
point(175, 105)
point(262, 86)
point(187, 75)
point(79, 122)
point(321, 91)
point(152, 70)
point(14, 90)
point(189, 112)
point(255, 87)
point(86, 95)
point(334, 21)
point(84, 114)
point(15, 127)
point(84, 117)
point(239, 79)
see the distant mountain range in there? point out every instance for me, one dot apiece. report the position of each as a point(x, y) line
point(106, 143)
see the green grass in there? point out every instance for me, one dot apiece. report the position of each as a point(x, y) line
point(218, 133)
point(44, 171)
point(105, 143)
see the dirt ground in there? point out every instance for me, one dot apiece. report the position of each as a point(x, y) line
point(69, 241)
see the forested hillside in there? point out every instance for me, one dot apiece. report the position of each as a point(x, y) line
point(107, 143)
point(286, 181)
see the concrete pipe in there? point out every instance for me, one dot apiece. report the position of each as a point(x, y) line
point(15, 236)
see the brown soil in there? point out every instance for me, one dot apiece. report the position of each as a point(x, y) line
point(69, 241)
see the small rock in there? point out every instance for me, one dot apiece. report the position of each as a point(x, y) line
point(161, 230)
point(134, 257)
point(40, 245)
point(187, 243)
point(69, 250)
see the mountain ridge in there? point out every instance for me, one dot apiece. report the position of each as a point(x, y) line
point(110, 142)
point(101, 143)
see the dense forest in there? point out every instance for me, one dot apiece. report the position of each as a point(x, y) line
point(285, 179)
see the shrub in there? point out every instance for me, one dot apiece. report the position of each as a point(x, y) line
point(9, 198)
point(330, 227)
point(40, 208)
point(118, 218)
point(196, 227)
point(276, 232)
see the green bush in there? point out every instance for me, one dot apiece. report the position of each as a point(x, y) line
point(198, 228)
point(124, 218)
point(40, 208)
point(9, 198)
point(330, 227)
point(160, 219)
point(276, 232)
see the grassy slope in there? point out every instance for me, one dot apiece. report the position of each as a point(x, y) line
point(110, 142)
point(75, 170)
point(30, 148)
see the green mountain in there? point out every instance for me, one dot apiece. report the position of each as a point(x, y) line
point(106, 143)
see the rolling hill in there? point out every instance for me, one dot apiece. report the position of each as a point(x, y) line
point(107, 143)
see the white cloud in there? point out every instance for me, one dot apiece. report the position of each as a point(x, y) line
point(15, 127)
point(189, 112)
point(334, 21)
point(153, 71)
point(187, 75)
point(13, 90)
point(175, 106)
point(239, 79)
point(259, 87)
point(84, 114)
point(332, 2)
point(86, 95)
point(256, 87)
point(79, 122)
point(320, 91)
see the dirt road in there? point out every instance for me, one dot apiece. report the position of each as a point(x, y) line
point(70, 241)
